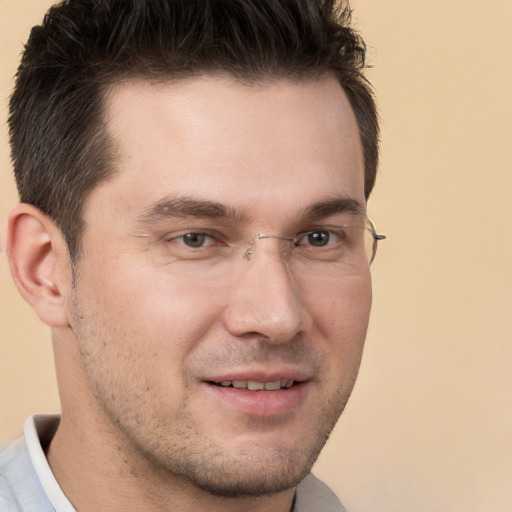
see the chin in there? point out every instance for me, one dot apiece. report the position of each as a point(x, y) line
point(255, 479)
point(254, 466)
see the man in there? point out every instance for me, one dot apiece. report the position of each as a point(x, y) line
point(193, 179)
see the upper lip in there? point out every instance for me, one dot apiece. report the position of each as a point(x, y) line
point(260, 375)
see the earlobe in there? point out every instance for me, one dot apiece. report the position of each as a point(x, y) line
point(39, 263)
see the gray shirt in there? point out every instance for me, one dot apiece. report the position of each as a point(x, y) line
point(27, 483)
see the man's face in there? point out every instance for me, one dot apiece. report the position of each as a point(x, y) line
point(174, 320)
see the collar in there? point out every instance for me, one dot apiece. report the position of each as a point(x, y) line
point(39, 431)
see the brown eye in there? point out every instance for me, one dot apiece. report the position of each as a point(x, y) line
point(318, 238)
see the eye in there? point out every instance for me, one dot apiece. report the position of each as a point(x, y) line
point(194, 240)
point(317, 238)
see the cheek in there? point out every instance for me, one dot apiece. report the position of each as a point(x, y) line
point(341, 308)
point(158, 312)
point(341, 313)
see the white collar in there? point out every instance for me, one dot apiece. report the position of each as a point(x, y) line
point(38, 427)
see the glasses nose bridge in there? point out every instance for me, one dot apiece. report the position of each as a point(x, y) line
point(249, 253)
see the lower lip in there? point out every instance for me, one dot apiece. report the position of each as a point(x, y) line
point(260, 403)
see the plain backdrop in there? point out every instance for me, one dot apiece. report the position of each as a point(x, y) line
point(429, 425)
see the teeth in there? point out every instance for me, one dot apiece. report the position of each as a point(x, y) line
point(252, 385)
point(255, 386)
point(273, 386)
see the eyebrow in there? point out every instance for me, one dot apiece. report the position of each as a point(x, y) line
point(184, 206)
point(334, 206)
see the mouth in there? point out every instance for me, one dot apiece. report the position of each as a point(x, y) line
point(252, 385)
point(262, 396)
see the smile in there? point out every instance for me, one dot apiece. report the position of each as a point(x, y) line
point(257, 394)
point(252, 385)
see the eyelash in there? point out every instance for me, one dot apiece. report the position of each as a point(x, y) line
point(195, 234)
point(303, 234)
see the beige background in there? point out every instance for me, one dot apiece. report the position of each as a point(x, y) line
point(429, 427)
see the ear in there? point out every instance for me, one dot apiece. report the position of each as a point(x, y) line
point(39, 262)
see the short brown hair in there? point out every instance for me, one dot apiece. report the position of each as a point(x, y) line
point(58, 139)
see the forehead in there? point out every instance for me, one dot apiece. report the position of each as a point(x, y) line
point(217, 139)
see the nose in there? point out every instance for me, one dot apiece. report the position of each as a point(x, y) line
point(266, 301)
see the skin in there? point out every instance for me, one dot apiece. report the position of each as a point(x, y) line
point(140, 329)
